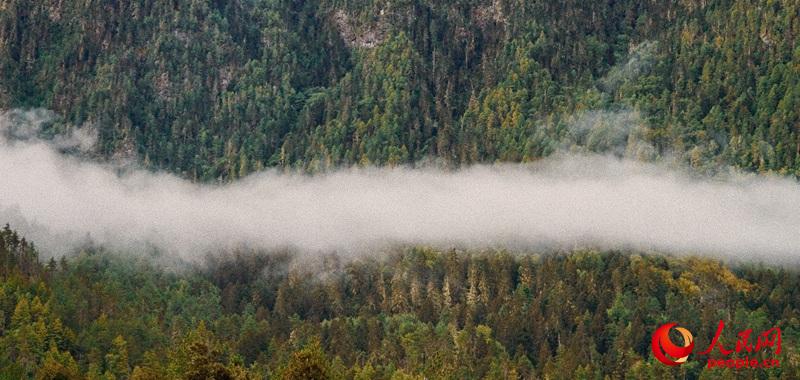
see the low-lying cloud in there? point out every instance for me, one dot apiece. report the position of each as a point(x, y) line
point(61, 202)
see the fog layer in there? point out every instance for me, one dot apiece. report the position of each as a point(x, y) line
point(61, 203)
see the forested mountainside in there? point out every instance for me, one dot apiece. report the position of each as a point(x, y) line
point(214, 90)
point(418, 314)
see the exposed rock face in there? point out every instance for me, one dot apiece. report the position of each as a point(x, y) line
point(362, 36)
point(359, 34)
point(53, 10)
point(484, 14)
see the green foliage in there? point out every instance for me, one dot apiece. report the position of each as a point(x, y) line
point(418, 313)
point(307, 364)
point(217, 90)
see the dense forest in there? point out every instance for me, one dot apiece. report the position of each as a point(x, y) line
point(416, 313)
point(214, 90)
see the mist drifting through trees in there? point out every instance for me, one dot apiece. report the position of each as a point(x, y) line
point(567, 201)
point(395, 190)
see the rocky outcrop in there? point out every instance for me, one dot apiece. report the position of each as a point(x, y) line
point(361, 36)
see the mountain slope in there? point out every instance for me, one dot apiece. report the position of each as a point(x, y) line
point(215, 90)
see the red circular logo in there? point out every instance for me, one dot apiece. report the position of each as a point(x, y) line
point(667, 352)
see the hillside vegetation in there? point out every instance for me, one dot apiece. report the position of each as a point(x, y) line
point(418, 313)
point(217, 89)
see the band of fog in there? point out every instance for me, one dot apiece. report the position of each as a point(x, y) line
point(60, 202)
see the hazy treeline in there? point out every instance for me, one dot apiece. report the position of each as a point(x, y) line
point(415, 313)
point(582, 200)
point(218, 89)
